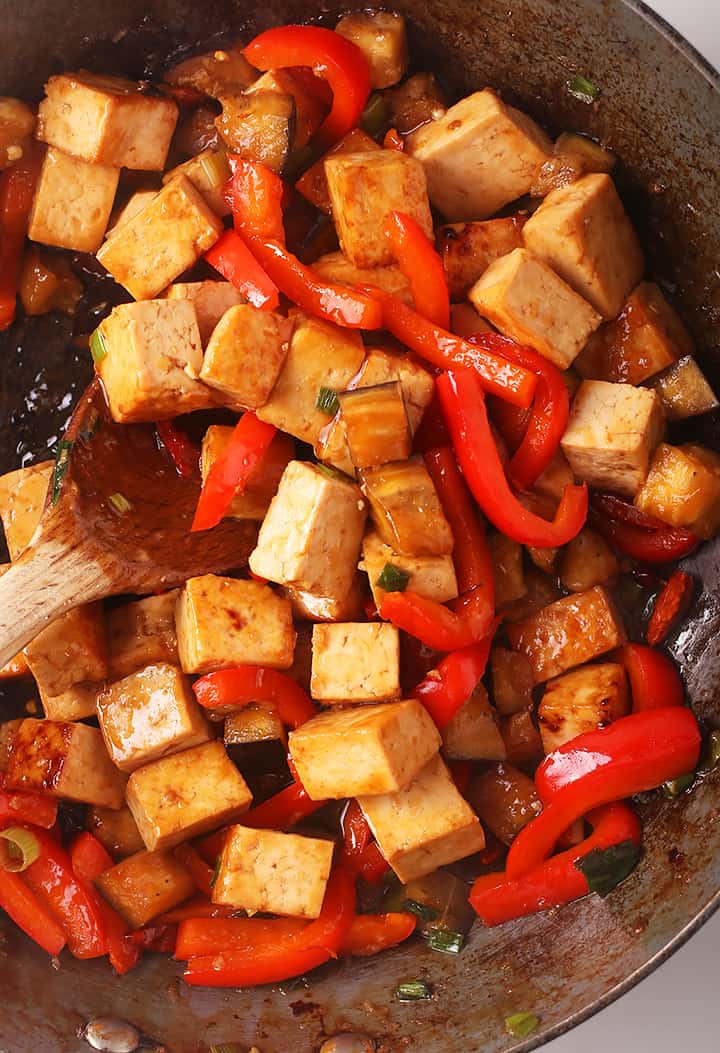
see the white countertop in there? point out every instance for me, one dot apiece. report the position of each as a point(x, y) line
point(676, 1007)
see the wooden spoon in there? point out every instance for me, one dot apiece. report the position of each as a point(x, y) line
point(117, 519)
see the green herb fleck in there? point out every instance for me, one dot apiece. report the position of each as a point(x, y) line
point(216, 872)
point(62, 463)
point(120, 503)
point(413, 991)
point(520, 1025)
point(330, 472)
point(375, 115)
point(98, 347)
point(445, 940)
point(604, 868)
point(393, 579)
point(327, 401)
point(583, 89)
point(711, 752)
point(674, 787)
point(420, 910)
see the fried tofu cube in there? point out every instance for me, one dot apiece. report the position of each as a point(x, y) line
point(363, 750)
point(612, 432)
point(336, 267)
point(142, 633)
point(153, 357)
point(313, 184)
point(63, 759)
point(70, 650)
point(185, 795)
point(244, 356)
point(426, 825)
point(107, 121)
point(430, 576)
point(164, 239)
point(473, 732)
point(364, 189)
point(222, 622)
point(583, 233)
point(527, 301)
point(211, 300)
point(683, 488)
point(255, 866)
point(355, 662)
point(77, 703)
point(255, 500)
point(205, 171)
point(479, 156)
point(72, 203)
point(382, 38)
point(145, 885)
point(645, 338)
point(312, 533)
point(320, 355)
point(586, 561)
point(116, 830)
point(7, 737)
point(582, 700)
point(22, 500)
point(345, 607)
point(568, 632)
point(135, 203)
point(468, 249)
point(17, 666)
point(149, 714)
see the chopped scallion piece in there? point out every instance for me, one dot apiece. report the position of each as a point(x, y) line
point(215, 168)
point(674, 787)
point(330, 472)
point(711, 752)
point(62, 462)
point(327, 401)
point(98, 347)
point(520, 1025)
point(18, 849)
point(374, 116)
point(604, 868)
point(216, 872)
point(583, 89)
point(445, 941)
point(393, 579)
point(120, 503)
point(413, 991)
point(411, 906)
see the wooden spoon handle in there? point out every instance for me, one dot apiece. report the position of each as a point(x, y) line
point(44, 583)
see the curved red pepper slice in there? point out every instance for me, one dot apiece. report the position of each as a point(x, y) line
point(372, 933)
point(436, 625)
point(29, 914)
point(231, 257)
point(282, 810)
point(670, 606)
point(89, 860)
point(19, 806)
point(230, 689)
point(445, 689)
point(654, 678)
point(182, 450)
point(636, 534)
point(422, 266)
point(17, 190)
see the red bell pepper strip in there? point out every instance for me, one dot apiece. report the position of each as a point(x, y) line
point(356, 834)
point(231, 689)
point(330, 56)
point(421, 265)
point(637, 535)
point(184, 453)
point(17, 190)
point(373, 864)
point(447, 351)
point(29, 914)
point(436, 625)
point(670, 606)
point(445, 689)
point(654, 678)
point(371, 933)
point(257, 195)
point(394, 141)
point(556, 881)
point(157, 938)
point(22, 807)
point(200, 871)
point(510, 421)
point(631, 755)
point(462, 398)
point(282, 810)
point(229, 475)
point(197, 907)
point(276, 958)
point(234, 260)
point(210, 847)
point(52, 879)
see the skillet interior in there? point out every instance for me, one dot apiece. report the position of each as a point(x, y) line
point(660, 109)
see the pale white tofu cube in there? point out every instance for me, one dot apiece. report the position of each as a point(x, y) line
point(364, 189)
point(363, 750)
point(149, 714)
point(70, 650)
point(259, 872)
point(107, 120)
point(72, 203)
point(612, 432)
point(382, 38)
point(262, 485)
point(526, 300)
point(142, 633)
point(145, 885)
point(312, 533)
point(63, 759)
point(479, 156)
point(426, 825)
point(16, 666)
point(430, 576)
point(222, 622)
point(203, 171)
point(77, 703)
point(683, 488)
point(582, 700)
point(161, 241)
point(152, 361)
point(355, 662)
point(211, 300)
point(185, 795)
point(244, 356)
point(22, 499)
point(336, 267)
point(582, 231)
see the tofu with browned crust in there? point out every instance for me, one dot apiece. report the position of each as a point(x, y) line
point(262, 485)
point(16, 666)
point(313, 183)
point(202, 171)
point(145, 885)
point(22, 500)
point(468, 249)
point(116, 830)
point(355, 662)
point(683, 488)
point(336, 267)
point(244, 356)
point(582, 700)
point(211, 300)
point(142, 633)
point(382, 38)
point(430, 576)
point(76, 703)
point(70, 650)
point(72, 203)
point(343, 607)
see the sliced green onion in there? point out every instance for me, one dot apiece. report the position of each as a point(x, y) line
point(420, 910)
point(445, 941)
point(583, 89)
point(98, 347)
point(520, 1025)
point(393, 579)
point(216, 872)
point(120, 503)
point(674, 787)
point(19, 848)
point(330, 472)
point(215, 168)
point(711, 752)
point(375, 115)
point(327, 401)
point(413, 991)
point(605, 868)
point(62, 463)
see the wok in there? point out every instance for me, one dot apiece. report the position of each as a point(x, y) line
point(660, 110)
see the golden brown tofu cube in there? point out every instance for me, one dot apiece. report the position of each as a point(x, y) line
point(507, 557)
point(149, 714)
point(211, 300)
point(355, 662)
point(164, 239)
point(145, 885)
point(153, 357)
point(72, 203)
point(364, 189)
point(7, 737)
point(142, 633)
point(583, 233)
point(70, 650)
point(336, 267)
point(313, 184)
point(116, 830)
point(208, 172)
point(63, 759)
point(479, 156)
point(569, 632)
point(430, 576)
point(363, 750)
point(107, 120)
point(468, 249)
point(22, 499)
point(587, 561)
point(136, 203)
point(612, 432)
point(185, 795)
point(406, 509)
point(77, 703)
point(684, 390)
point(262, 486)
point(527, 301)
point(222, 622)
point(320, 355)
point(17, 666)
point(582, 700)
point(683, 488)
point(382, 38)
point(255, 866)
point(473, 732)
point(312, 533)
point(244, 356)
point(426, 825)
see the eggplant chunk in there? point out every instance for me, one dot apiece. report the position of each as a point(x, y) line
point(116, 830)
point(415, 102)
point(310, 108)
point(382, 38)
point(406, 509)
point(473, 732)
point(684, 390)
point(259, 126)
point(587, 561)
point(506, 800)
point(468, 249)
point(216, 73)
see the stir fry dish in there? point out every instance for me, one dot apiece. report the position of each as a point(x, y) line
point(414, 342)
